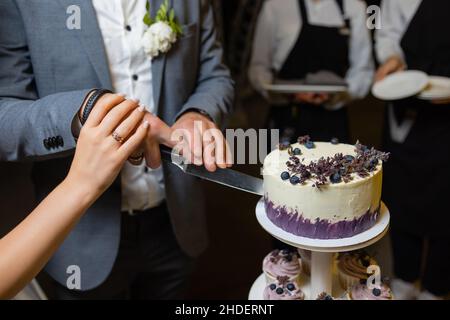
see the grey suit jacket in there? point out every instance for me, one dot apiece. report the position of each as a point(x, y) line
point(46, 70)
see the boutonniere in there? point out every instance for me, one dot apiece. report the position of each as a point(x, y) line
point(162, 32)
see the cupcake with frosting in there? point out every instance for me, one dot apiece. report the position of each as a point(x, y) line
point(305, 256)
point(283, 289)
point(352, 267)
point(361, 291)
point(324, 296)
point(282, 263)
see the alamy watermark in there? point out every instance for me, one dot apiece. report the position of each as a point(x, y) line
point(374, 280)
point(73, 282)
point(249, 146)
point(374, 20)
point(73, 21)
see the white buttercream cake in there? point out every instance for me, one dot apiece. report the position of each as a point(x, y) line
point(323, 190)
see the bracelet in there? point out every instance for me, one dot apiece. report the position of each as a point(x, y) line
point(98, 93)
point(201, 111)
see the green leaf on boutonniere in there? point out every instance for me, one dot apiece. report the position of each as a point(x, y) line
point(176, 28)
point(161, 15)
point(147, 20)
point(164, 14)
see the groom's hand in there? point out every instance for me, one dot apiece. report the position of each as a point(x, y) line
point(159, 133)
point(201, 142)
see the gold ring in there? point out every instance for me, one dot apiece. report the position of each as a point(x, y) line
point(117, 137)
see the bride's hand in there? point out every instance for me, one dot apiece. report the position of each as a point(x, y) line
point(106, 141)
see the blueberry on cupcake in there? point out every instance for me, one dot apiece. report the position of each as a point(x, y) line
point(364, 292)
point(283, 289)
point(282, 263)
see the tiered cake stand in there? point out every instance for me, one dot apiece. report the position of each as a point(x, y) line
point(323, 278)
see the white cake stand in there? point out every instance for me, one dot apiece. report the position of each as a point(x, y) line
point(321, 252)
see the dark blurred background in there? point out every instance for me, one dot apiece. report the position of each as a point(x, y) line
point(237, 243)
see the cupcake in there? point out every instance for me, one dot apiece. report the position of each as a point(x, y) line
point(283, 289)
point(324, 296)
point(361, 291)
point(282, 263)
point(305, 256)
point(352, 267)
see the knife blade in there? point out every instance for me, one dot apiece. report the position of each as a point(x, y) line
point(227, 177)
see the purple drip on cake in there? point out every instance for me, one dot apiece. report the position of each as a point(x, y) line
point(319, 229)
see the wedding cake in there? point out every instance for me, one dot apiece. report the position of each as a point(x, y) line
point(323, 190)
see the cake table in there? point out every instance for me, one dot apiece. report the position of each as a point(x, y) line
point(322, 251)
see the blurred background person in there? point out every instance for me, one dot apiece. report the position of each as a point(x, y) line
point(324, 40)
point(417, 135)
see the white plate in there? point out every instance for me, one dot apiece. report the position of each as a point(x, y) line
point(400, 85)
point(298, 88)
point(358, 241)
point(438, 88)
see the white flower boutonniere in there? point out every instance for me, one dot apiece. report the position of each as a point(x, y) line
point(163, 30)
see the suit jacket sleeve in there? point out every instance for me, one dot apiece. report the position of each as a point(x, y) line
point(25, 119)
point(214, 93)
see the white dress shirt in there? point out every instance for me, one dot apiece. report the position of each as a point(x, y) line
point(396, 15)
point(279, 26)
point(121, 24)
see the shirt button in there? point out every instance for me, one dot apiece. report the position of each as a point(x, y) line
point(128, 27)
point(135, 77)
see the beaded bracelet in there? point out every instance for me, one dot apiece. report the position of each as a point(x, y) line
point(98, 93)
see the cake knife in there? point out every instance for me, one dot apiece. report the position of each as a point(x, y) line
point(227, 177)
